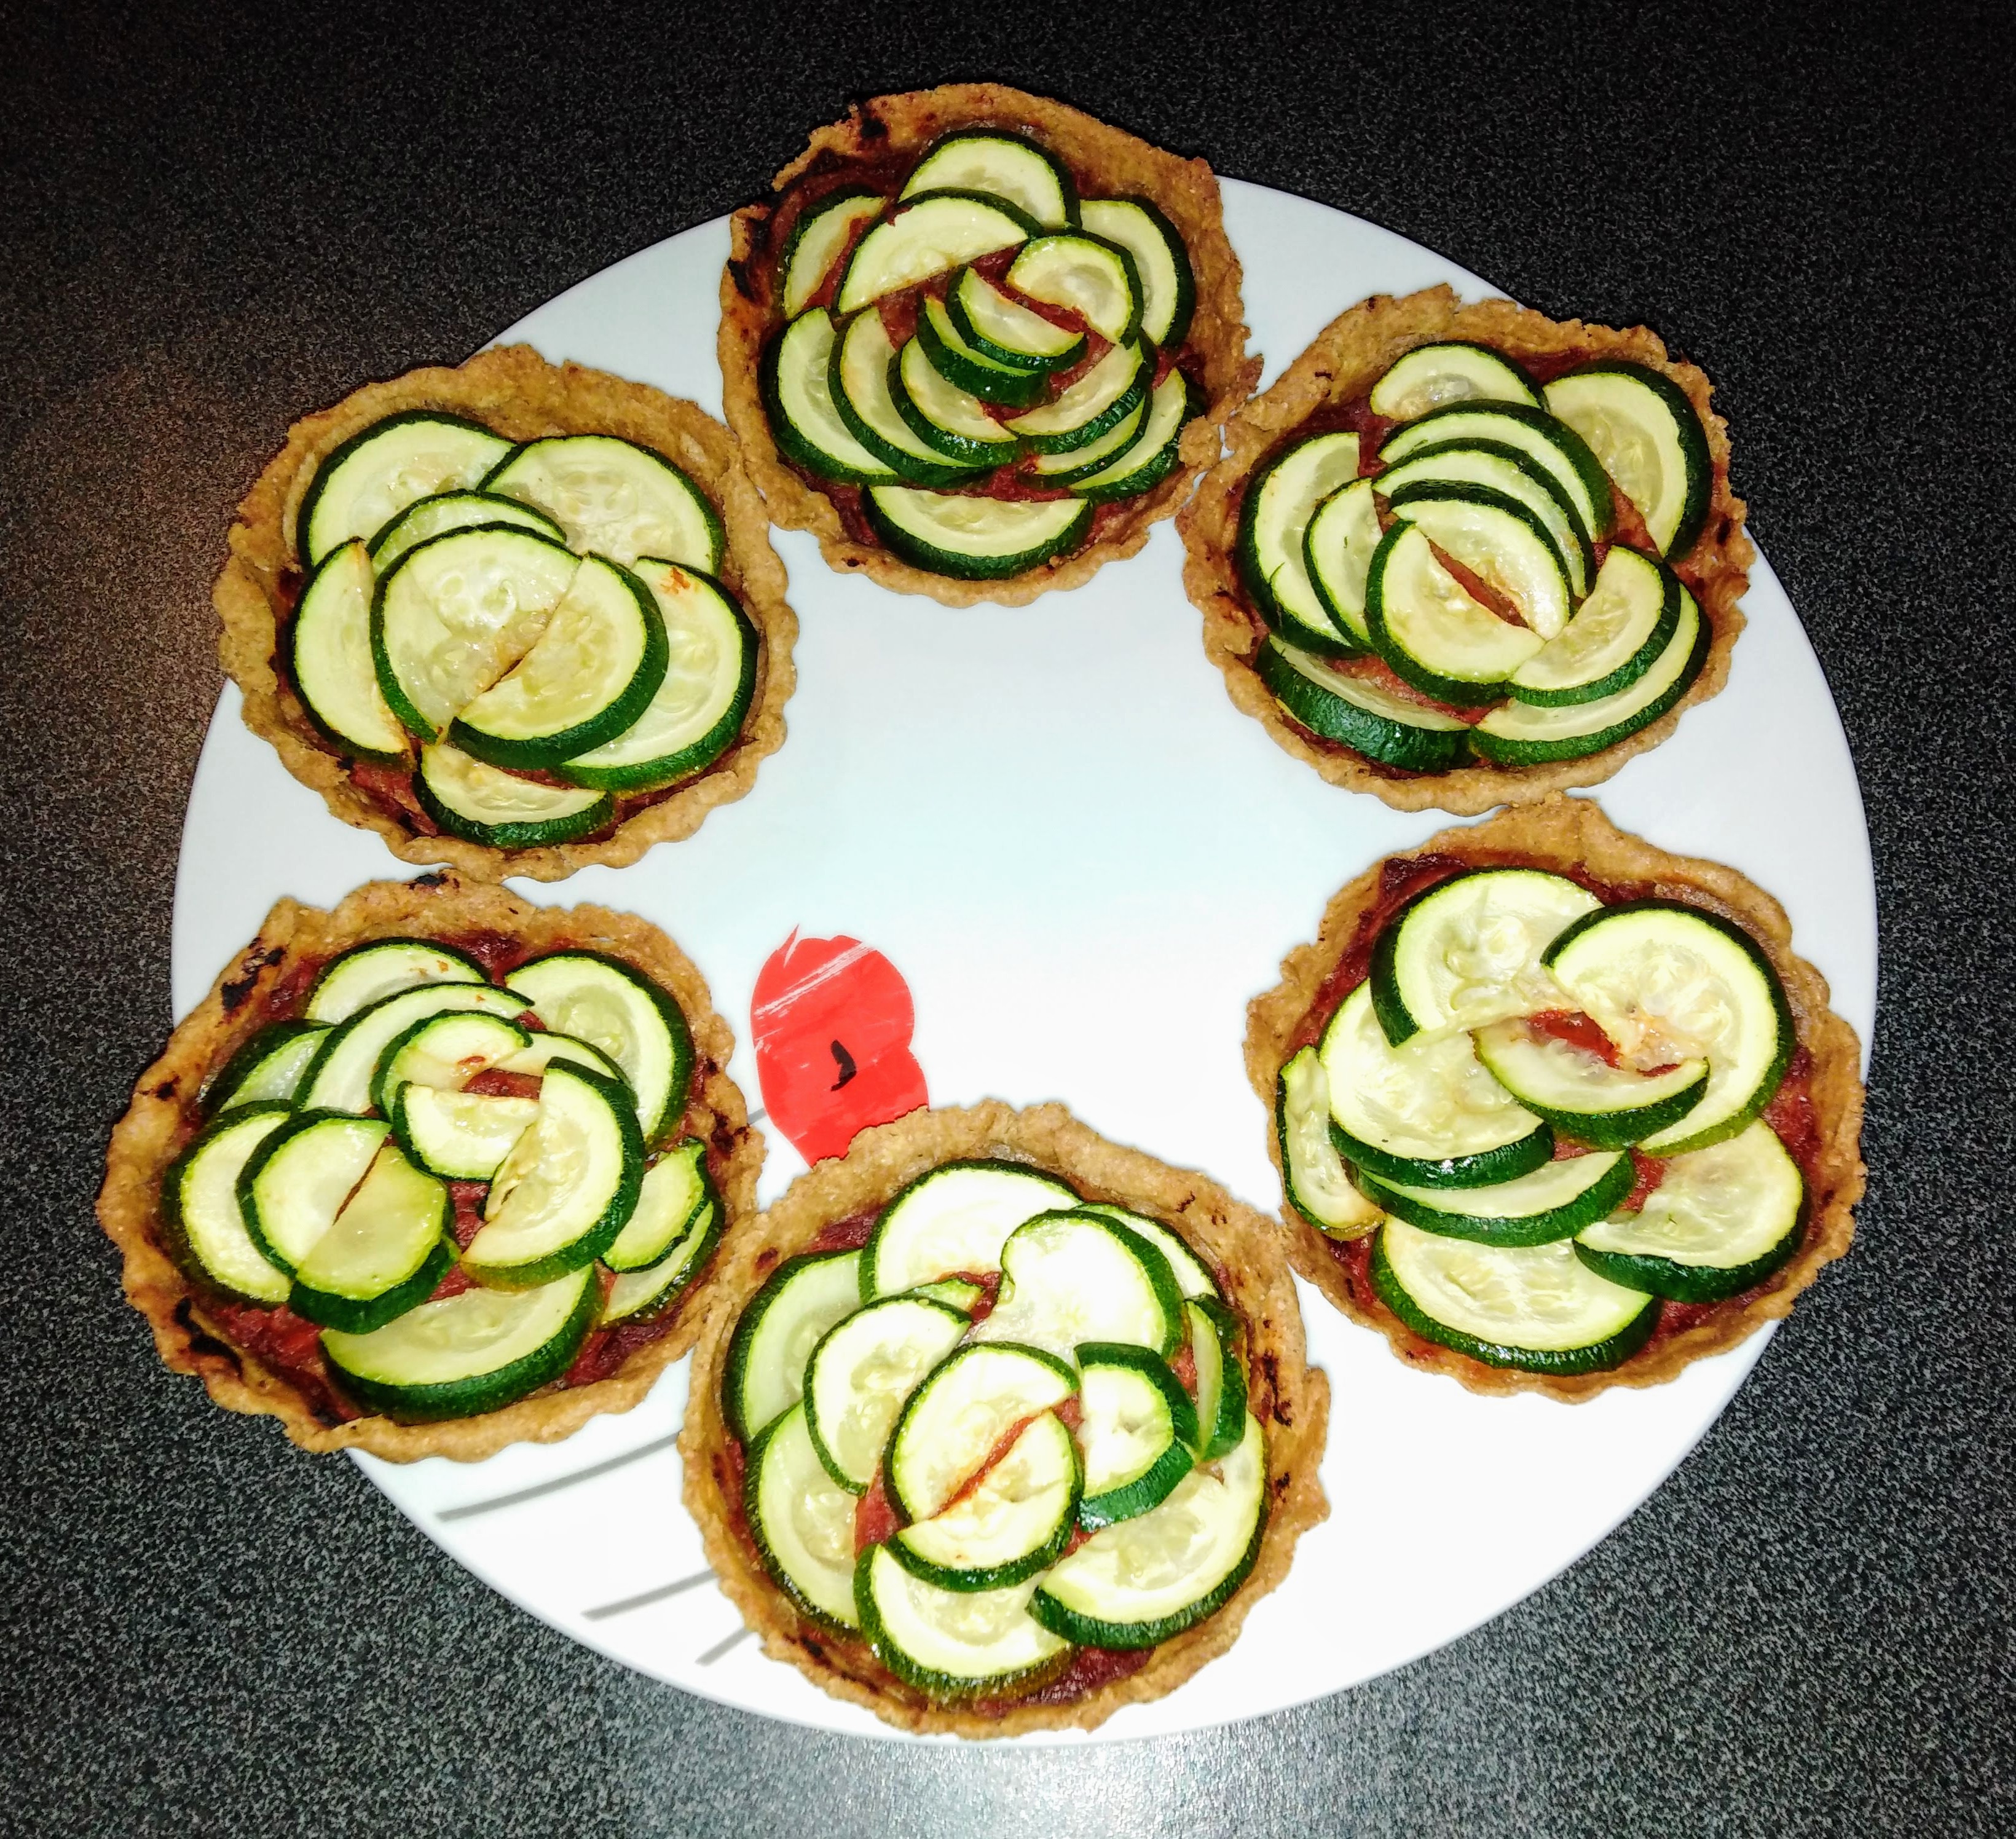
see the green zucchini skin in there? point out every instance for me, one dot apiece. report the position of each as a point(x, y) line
point(919, 554)
point(1158, 1481)
point(1600, 1357)
point(1677, 1283)
point(794, 447)
point(1539, 1229)
point(1158, 465)
point(1001, 386)
point(534, 833)
point(710, 1237)
point(352, 1316)
point(752, 1517)
point(471, 1398)
point(1088, 1631)
point(1480, 1169)
point(1331, 718)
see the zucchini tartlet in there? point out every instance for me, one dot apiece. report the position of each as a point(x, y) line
point(515, 617)
point(977, 342)
point(999, 1426)
point(1556, 1111)
point(435, 1171)
point(1460, 556)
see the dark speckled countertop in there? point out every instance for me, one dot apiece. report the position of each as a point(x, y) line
point(213, 220)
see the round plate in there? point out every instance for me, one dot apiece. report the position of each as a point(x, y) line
point(1084, 862)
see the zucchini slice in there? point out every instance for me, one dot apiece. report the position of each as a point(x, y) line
point(1082, 462)
point(453, 614)
point(1617, 635)
point(966, 367)
point(955, 1293)
point(946, 419)
point(367, 973)
point(1509, 474)
point(202, 1218)
point(1551, 444)
point(622, 1013)
point(377, 473)
point(615, 498)
point(1641, 425)
point(330, 662)
point(1313, 1173)
point(863, 1371)
point(1430, 630)
point(1434, 377)
point(863, 366)
point(445, 1051)
point(785, 1320)
point(386, 1252)
point(1467, 951)
point(1156, 450)
point(455, 510)
point(461, 1136)
point(953, 1220)
point(295, 1181)
point(1193, 1277)
point(1425, 1113)
point(954, 1420)
point(1083, 275)
point(1722, 1220)
point(817, 240)
point(549, 1044)
point(1581, 1094)
point(1137, 1431)
point(974, 538)
point(590, 674)
point(1008, 331)
point(1273, 520)
point(1337, 548)
point(1537, 1308)
point(340, 1078)
point(1161, 263)
point(1357, 713)
point(932, 232)
point(639, 1295)
point(483, 803)
point(1499, 540)
point(462, 1355)
point(1554, 1201)
point(1218, 1346)
point(674, 1188)
point(567, 1188)
point(1071, 1277)
point(1522, 734)
point(998, 165)
point(1680, 983)
point(802, 1521)
point(267, 1069)
point(949, 1643)
point(1099, 400)
point(1016, 1519)
point(1138, 1583)
point(796, 378)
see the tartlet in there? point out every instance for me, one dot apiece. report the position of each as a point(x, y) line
point(1785, 1144)
point(1229, 1250)
point(1442, 750)
point(873, 150)
point(518, 396)
point(245, 1059)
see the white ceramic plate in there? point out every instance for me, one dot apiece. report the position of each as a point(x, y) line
point(1086, 862)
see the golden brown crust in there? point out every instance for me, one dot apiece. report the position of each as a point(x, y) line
point(1113, 163)
point(512, 390)
point(154, 1128)
point(1244, 1248)
point(1348, 357)
point(1564, 833)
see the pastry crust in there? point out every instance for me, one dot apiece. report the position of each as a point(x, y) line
point(1348, 357)
point(1243, 1246)
point(155, 1129)
point(1564, 833)
point(1113, 163)
point(513, 391)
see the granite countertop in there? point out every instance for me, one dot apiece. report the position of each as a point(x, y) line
point(207, 229)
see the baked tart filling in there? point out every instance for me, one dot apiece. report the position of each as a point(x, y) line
point(1459, 555)
point(981, 339)
point(990, 1438)
point(1555, 1109)
point(435, 1172)
point(514, 616)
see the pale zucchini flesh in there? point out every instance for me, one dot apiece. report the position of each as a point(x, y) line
point(200, 1205)
point(862, 1372)
point(1071, 1277)
point(328, 656)
point(765, 1374)
point(615, 498)
point(1434, 376)
point(393, 463)
point(953, 1222)
point(364, 974)
point(803, 1520)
